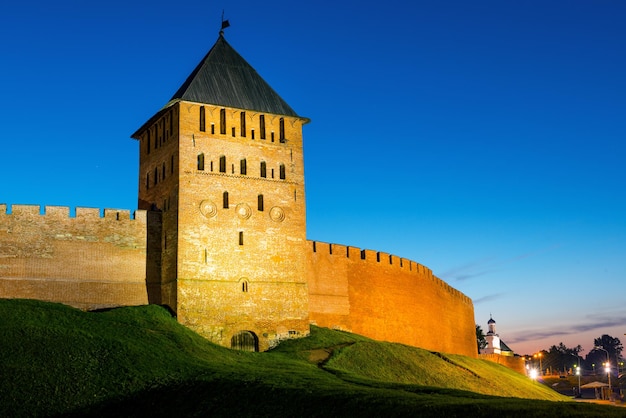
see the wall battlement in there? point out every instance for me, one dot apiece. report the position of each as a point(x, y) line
point(65, 212)
point(378, 259)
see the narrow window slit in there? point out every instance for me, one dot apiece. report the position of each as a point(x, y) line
point(262, 126)
point(223, 121)
point(202, 119)
point(201, 162)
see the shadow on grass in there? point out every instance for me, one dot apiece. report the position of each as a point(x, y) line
point(224, 398)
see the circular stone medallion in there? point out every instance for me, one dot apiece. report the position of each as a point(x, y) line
point(277, 214)
point(243, 211)
point(208, 208)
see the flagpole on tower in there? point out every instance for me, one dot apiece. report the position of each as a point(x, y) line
point(225, 24)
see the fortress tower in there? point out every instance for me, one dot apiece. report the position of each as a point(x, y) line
point(220, 235)
point(221, 165)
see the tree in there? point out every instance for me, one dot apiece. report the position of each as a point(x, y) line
point(610, 344)
point(481, 341)
point(613, 347)
point(561, 358)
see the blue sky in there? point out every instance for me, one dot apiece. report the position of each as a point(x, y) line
point(485, 140)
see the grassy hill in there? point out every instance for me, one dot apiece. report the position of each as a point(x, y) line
point(56, 360)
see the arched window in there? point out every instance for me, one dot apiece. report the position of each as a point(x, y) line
point(260, 202)
point(281, 132)
point(223, 121)
point(222, 164)
point(201, 162)
point(225, 197)
point(242, 119)
point(202, 119)
point(263, 169)
point(244, 286)
point(262, 126)
point(243, 166)
point(282, 171)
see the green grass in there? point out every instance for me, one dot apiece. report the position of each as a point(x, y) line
point(56, 360)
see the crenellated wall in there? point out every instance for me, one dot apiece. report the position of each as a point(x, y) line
point(87, 260)
point(387, 298)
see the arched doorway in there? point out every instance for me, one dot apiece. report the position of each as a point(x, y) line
point(244, 341)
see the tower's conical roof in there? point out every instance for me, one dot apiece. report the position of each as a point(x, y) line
point(224, 78)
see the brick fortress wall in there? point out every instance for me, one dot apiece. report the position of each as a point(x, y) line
point(86, 261)
point(387, 298)
point(90, 262)
point(513, 363)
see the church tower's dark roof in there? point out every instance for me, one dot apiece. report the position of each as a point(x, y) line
point(224, 78)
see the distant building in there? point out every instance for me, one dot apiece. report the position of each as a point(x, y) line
point(494, 344)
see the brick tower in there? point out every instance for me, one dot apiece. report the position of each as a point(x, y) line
point(221, 171)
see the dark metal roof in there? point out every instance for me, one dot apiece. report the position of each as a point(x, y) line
point(504, 347)
point(224, 78)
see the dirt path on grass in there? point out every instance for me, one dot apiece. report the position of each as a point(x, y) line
point(321, 355)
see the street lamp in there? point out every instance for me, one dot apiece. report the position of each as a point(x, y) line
point(578, 373)
point(608, 367)
point(540, 365)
